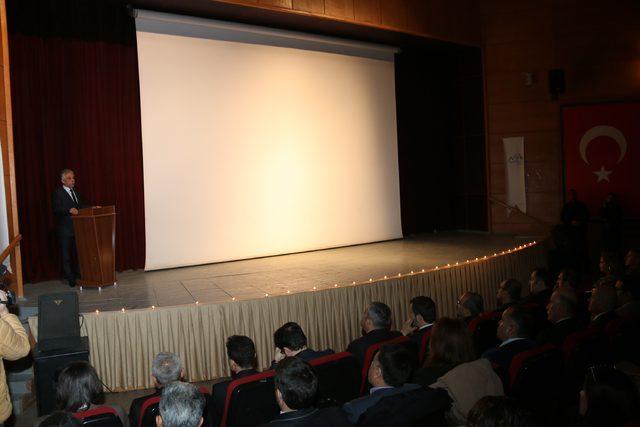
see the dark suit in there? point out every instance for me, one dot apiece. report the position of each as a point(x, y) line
point(136, 407)
point(62, 203)
point(307, 355)
point(421, 407)
point(219, 390)
point(541, 298)
point(558, 332)
point(503, 355)
point(602, 320)
point(359, 346)
point(359, 406)
point(311, 417)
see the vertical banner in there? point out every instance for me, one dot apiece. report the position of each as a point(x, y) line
point(4, 222)
point(514, 167)
point(601, 145)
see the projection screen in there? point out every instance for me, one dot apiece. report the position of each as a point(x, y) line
point(259, 142)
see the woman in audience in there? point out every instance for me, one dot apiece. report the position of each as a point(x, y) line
point(450, 344)
point(608, 398)
point(79, 389)
point(500, 411)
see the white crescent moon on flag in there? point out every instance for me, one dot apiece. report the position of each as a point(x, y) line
point(597, 131)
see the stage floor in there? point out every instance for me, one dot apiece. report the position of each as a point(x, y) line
point(278, 275)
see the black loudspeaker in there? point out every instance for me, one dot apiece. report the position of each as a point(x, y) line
point(556, 82)
point(58, 321)
point(46, 368)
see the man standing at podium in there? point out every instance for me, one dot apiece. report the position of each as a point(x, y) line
point(66, 202)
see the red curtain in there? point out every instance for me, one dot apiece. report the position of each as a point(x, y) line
point(75, 94)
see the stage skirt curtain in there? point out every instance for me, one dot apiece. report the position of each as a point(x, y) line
point(123, 344)
point(76, 104)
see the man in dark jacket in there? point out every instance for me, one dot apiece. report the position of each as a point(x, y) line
point(561, 313)
point(375, 323)
point(290, 341)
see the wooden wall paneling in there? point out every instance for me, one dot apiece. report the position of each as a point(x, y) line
point(6, 133)
point(283, 4)
point(311, 6)
point(367, 11)
point(342, 9)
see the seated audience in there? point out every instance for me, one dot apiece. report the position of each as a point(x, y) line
point(508, 294)
point(181, 405)
point(602, 305)
point(423, 311)
point(241, 353)
point(632, 263)
point(469, 306)
point(296, 386)
point(466, 384)
point(419, 407)
point(166, 368)
point(567, 278)
point(561, 313)
point(375, 322)
point(540, 287)
point(514, 330)
point(79, 389)
point(450, 345)
point(389, 374)
point(290, 341)
point(608, 398)
point(628, 292)
point(491, 411)
point(60, 419)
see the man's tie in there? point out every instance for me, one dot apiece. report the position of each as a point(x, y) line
point(73, 196)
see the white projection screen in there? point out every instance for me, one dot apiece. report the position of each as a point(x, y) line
point(259, 142)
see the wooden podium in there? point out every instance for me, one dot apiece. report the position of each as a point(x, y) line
point(95, 230)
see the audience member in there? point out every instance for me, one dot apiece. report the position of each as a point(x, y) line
point(610, 266)
point(632, 263)
point(540, 287)
point(60, 419)
point(241, 353)
point(466, 384)
point(469, 306)
point(567, 278)
point(296, 386)
point(500, 411)
point(561, 313)
point(290, 341)
point(508, 294)
point(15, 345)
point(375, 323)
point(181, 405)
point(514, 331)
point(628, 292)
point(79, 389)
point(166, 368)
point(602, 304)
point(389, 374)
point(608, 398)
point(450, 345)
point(423, 311)
point(575, 217)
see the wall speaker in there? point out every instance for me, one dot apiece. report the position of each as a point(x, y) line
point(556, 82)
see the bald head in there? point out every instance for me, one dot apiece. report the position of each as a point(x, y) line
point(603, 299)
point(562, 305)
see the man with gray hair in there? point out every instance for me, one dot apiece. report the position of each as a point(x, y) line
point(376, 325)
point(166, 368)
point(469, 306)
point(181, 405)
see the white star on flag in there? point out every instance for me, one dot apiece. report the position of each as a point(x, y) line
point(603, 174)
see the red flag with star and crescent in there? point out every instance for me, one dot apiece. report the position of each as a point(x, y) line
point(602, 154)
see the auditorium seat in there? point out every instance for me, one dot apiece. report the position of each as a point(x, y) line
point(483, 331)
point(250, 401)
point(424, 344)
point(581, 350)
point(537, 375)
point(103, 416)
point(368, 358)
point(149, 410)
point(338, 379)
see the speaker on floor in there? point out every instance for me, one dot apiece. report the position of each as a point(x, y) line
point(556, 82)
point(47, 367)
point(58, 321)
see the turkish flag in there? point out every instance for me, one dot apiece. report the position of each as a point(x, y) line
point(602, 154)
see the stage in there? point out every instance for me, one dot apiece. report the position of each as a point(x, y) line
point(191, 310)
